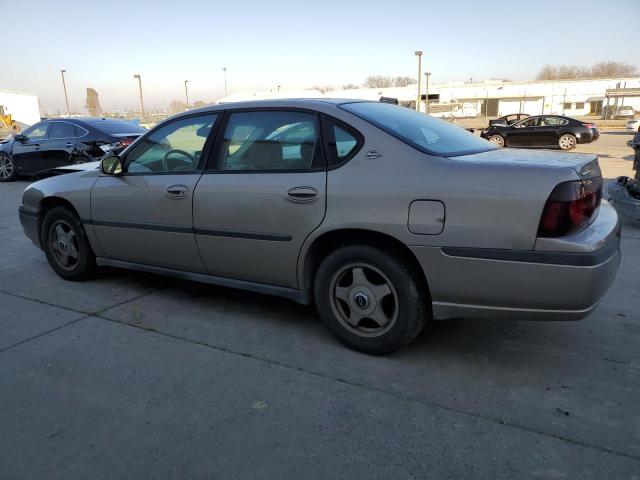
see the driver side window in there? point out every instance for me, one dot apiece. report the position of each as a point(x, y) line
point(175, 147)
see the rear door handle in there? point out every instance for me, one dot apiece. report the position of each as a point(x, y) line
point(177, 191)
point(302, 194)
point(70, 144)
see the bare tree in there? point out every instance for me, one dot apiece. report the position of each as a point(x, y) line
point(350, 86)
point(613, 69)
point(199, 103)
point(176, 106)
point(599, 70)
point(378, 81)
point(92, 103)
point(403, 81)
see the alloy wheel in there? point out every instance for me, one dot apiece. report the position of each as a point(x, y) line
point(64, 243)
point(6, 167)
point(497, 140)
point(567, 142)
point(363, 299)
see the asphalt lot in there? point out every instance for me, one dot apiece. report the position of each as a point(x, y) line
point(137, 376)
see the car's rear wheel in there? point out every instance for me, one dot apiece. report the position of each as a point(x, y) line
point(7, 168)
point(497, 139)
point(66, 245)
point(567, 142)
point(371, 301)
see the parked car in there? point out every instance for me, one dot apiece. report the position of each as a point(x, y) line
point(57, 142)
point(633, 126)
point(625, 112)
point(509, 119)
point(542, 131)
point(382, 217)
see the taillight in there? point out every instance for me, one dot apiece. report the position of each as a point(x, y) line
point(125, 141)
point(589, 125)
point(570, 207)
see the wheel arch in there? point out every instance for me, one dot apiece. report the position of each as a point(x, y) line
point(329, 241)
point(48, 203)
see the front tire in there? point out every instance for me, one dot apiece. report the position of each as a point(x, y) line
point(66, 245)
point(567, 142)
point(497, 140)
point(7, 168)
point(370, 300)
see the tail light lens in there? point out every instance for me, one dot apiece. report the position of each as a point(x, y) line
point(121, 144)
point(590, 125)
point(126, 141)
point(571, 206)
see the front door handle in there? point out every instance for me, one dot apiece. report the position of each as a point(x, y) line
point(177, 191)
point(302, 194)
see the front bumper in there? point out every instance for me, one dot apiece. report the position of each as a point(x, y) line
point(29, 222)
point(525, 285)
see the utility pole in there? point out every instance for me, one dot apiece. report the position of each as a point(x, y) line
point(418, 54)
point(426, 104)
point(225, 81)
point(186, 91)
point(64, 85)
point(140, 87)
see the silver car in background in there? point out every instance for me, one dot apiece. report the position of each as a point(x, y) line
point(383, 217)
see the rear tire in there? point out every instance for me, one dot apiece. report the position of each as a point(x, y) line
point(497, 140)
point(66, 246)
point(370, 300)
point(567, 142)
point(7, 168)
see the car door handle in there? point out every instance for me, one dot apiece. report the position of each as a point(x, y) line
point(177, 191)
point(70, 144)
point(302, 194)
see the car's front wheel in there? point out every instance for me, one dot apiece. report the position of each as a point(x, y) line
point(66, 245)
point(497, 139)
point(7, 168)
point(567, 142)
point(370, 300)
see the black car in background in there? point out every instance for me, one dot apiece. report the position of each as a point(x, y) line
point(58, 142)
point(542, 131)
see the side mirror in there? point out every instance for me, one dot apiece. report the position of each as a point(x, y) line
point(111, 165)
point(20, 138)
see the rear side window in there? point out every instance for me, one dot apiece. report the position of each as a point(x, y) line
point(270, 141)
point(342, 142)
point(61, 130)
point(423, 132)
point(554, 121)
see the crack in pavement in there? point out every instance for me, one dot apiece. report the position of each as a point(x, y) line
point(370, 388)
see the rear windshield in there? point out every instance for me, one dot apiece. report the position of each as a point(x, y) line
point(425, 133)
point(117, 127)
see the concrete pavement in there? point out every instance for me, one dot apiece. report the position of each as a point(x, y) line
point(138, 376)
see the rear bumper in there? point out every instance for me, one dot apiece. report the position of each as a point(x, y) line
point(29, 222)
point(523, 285)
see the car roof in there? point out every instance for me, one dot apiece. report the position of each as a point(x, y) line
point(274, 103)
point(85, 120)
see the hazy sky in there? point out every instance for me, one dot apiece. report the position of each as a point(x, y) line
point(294, 43)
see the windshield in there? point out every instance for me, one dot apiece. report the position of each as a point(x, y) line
point(425, 133)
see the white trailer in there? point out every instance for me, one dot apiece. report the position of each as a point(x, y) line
point(23, 107)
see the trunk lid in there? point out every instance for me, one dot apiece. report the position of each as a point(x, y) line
point(584, 164)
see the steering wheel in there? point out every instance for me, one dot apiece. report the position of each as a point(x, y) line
point(165, 161)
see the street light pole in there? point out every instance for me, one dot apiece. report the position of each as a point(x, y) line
point(140, 87)
point(225, 81)
point(419, 55)
point(64, 85)
point(186, 91)
point(426, 104)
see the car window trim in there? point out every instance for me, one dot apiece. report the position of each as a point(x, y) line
point(212, 166)
point(46, 132)
point(205, 148)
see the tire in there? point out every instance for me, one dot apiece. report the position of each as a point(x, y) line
point(497, 140)
point(7, 168)
point(567, 142)
point(370, 300)
point(66, 246)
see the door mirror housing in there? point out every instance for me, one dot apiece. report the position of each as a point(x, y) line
point(112, 165)
point(20, 138)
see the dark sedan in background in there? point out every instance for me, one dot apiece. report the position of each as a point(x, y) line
point(542, 131)
point(58, 142)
